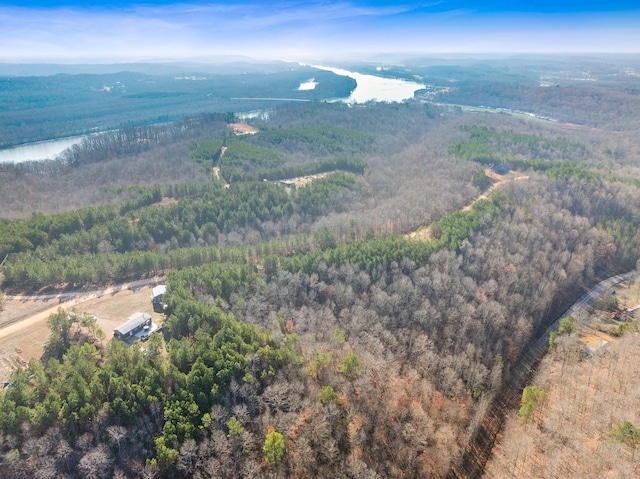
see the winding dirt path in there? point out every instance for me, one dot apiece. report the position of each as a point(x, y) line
point(424, 233)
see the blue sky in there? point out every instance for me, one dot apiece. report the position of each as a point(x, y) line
point(119, 30)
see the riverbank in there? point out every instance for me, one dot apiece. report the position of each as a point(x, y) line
point(375, 88)
point(39, 150)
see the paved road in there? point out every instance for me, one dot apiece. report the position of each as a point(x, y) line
point(480, 448)
point(587, 300)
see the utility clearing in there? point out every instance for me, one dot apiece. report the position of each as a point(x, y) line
point(591, 383)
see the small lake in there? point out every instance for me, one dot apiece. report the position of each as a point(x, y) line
point(375, 88)
point(41, 150)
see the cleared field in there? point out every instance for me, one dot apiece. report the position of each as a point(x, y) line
point(25, 331)
point(243, 129)
point(586, 397)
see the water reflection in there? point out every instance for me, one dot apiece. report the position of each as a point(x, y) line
point(41, 150)
point(374, 88)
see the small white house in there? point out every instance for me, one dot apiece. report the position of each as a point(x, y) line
point(157, 293)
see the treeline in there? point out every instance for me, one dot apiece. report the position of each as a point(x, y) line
point(321, 139)
point(133, 139)
point(127, 141)
point(99, 245)
point(351, 165)
point(448, 233)
point(522, 152)
point(484, 140)
point(28, 234)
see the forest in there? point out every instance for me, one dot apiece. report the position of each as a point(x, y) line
point(307, 334)
point(68, 104)
point(598, 92)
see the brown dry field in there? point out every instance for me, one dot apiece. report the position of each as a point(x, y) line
point(25, 339)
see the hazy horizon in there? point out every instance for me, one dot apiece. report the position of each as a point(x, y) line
point(121, 31)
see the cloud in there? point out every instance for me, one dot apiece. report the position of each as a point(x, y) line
point(294, 29)
point(277, 14)
point(177, 28)
point(77, 33)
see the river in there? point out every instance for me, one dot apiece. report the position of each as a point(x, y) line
point(368, 88)
point(375, 88)
point(41, 150)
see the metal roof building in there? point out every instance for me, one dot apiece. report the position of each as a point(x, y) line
point(159, 290)
point(136, 323)
point(158, 293)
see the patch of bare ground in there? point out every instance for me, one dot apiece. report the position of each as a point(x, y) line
point(166, 201)
point(243, 129)
point(23, 323)
point(216, 173)
point(303, 180)
point(423, 233)
point(587, 395)
point(216, 169)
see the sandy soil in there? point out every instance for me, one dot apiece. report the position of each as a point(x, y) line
point(243, 129)
point(23, 323)
point(303, 180)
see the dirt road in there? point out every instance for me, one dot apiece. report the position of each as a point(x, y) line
point(424, 233)
point(10, 322)
point(23, 323)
